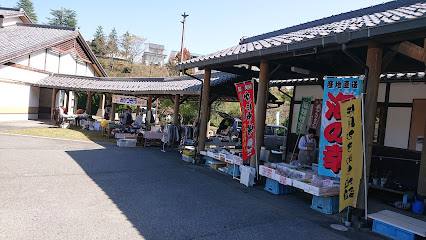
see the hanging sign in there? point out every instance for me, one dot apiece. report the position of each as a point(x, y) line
point(245, 92)
point(128, 100)
point(304, 108)
point(316, 113)
point(336, 91)
point(352, 160)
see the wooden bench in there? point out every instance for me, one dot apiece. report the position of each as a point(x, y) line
point(405, 195)
point(397, 226)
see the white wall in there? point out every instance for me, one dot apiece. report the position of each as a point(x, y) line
point(314, 91)
point(295, 117)
point(81, 69)
point(406, 92)
point(14, 101)
point(9, 21)
point(90, 71)
point(382, 92)
point(18, 74)
point(22, 60)
point(68, 65)
point(52, 62)
point(38, 59)
point(398, 127)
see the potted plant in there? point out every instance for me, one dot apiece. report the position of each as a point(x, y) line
point(385, 178)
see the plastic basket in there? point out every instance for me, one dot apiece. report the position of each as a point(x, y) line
point(276, 188)
point(328, 205)
point(391, 231)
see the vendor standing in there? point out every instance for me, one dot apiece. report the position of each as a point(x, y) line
point(307, 147)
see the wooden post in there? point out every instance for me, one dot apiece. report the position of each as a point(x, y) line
point(260, 114)
point(204, 108)
point(176, 110)
point(52, 104)
point(114, 106)
point(148, 111)
point(89, 103)
point(421, 185)
point(138, 110)
point(67, 104)
point(109, 99)
point(374, 63)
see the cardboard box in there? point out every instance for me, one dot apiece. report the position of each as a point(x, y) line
point(216, 165)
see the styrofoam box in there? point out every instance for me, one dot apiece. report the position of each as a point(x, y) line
point(126, 143)
point(203, 153)
point(299, 184)
point(283, 180)
point(210, 154)
point(267, 172)
point(222, 157)
point(321, 191)
point(187, 158)
point(229, 159)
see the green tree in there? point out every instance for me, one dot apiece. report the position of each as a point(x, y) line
point(133, 46)
point(28, 7)
point(63, 17)
point(98, 44)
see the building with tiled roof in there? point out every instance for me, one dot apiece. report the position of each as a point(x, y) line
point(30, 52)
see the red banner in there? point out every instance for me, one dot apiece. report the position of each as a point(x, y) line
point(316, 113)
point(245, 91)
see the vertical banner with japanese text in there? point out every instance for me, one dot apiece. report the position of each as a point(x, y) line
point(316, 113)
point(336, 91)
point(245, 92)
point(303, 112)
point(352, 156)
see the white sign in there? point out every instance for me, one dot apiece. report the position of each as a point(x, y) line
point(128, 100)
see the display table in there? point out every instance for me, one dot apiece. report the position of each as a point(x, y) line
point(152, 137)
point(405, 195)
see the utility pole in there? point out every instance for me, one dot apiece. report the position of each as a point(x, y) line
point(184, 15)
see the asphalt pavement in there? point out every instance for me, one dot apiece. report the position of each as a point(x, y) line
point(62, 189)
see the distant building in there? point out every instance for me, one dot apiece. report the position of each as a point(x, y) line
point(154, 54)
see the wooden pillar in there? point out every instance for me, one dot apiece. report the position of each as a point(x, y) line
point(374, 63)
point(89, 103)
point(176, 110)
point(138, 110)
point(204, 108)
point(421, 186)
point(114, 106)
point(67, 104)
point(53, 101)
point(109, 99)
point(148, 111)
point(260, 114)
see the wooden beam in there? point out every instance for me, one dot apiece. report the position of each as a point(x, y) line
point(89, 103)
point(176, 110)
point(114, 107)
point(184, 99)
point(260, 114)
point(68, 101)
point(204, 109)
point(374, 63)
point(52, 103)
point(387, 59)
point(410, 50)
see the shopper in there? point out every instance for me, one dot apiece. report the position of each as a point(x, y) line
point(307, 148)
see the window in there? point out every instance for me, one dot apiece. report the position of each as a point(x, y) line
point(269, 131)
point(280, 131)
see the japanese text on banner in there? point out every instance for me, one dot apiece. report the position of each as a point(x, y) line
point(128, 100)
point(316, 113)
point(336, 91)
point(304, 108)
point(352, 156)
point(245, 92)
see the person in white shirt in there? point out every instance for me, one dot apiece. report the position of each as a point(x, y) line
point(307, 146)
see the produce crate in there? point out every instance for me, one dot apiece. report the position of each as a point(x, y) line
point(276, 188)
point(267, 172)
point(216, 165)
point(283, 180)
point(328, 205)
point(187, 159)
point(392, 231)
point(209, 161)
point(231, 170)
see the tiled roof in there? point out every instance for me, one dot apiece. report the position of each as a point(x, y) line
point(10, 11)
point(402, 77)
point(26, 38)
point(168, 85)
point(319, 32)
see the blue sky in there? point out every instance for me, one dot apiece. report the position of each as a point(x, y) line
point(211, 25)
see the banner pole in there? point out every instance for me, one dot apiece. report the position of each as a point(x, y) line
point(295, 146)
point(365, 165)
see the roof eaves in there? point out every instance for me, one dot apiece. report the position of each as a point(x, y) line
point(337, 38)
point(92, 55)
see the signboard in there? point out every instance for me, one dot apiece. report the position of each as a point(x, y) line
point(304, 108)
point(336, 91)
point(128, 100)
point(245, 92)
point(316, 113)
point(352, 160)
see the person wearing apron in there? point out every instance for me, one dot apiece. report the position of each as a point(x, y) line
point(307, 145)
